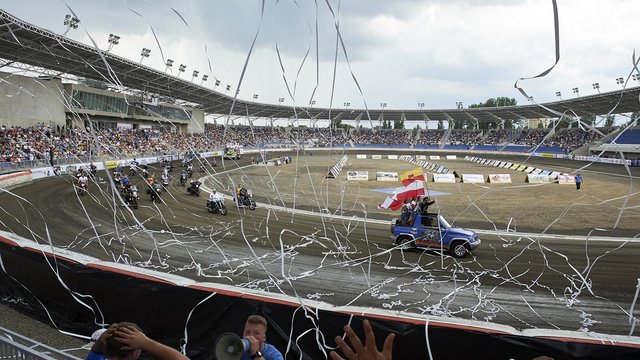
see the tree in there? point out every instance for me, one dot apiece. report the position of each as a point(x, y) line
point(495, 102)
point(440, 124)
point(398, 124)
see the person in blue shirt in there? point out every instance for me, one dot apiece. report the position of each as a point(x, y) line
point(255, 330)
point(578, 179)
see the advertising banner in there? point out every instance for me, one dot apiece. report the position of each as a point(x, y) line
point(361, 156)
point(14, 179)
point(434, 157)
point(537, 179)
point(444, 178)
point(566, 179)
point(392, 157)
point(451, 157)
point(358, 175)
point(472, 178)
point(499, 178)
point(421, 157)
point(386, 176)
point(376, 157)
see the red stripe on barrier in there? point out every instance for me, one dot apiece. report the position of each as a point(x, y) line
point(51, 255)
point(243, 295)
point(129, 273)
point(8, 241)
point(15, 175)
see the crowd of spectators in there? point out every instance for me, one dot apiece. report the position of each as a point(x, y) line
point(42, 142)
point(574, 138)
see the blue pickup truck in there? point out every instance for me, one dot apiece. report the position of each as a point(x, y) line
point(432, 231)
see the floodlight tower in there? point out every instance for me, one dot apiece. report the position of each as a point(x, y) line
point(204, 78)
point(597, 87)
point(113, 41)
point(144, 54)
point(169, 64)
point(181, 69)
point(71, 22)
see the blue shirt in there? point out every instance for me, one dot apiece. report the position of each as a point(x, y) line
point(269, 352)
point(95, 356)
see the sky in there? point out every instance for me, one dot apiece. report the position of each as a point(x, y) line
point(366, 53)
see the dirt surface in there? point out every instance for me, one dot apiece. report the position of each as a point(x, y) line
point(524, 282)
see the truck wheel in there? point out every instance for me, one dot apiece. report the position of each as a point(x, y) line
point(405, 243)
point(459, 249)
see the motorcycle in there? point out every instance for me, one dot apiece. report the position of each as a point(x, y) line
point(131, 197)
point(247, 201)
point(82, 189)
point(183, 178)
point(217, 206)
point(194, 189)
point(165, 183)
point(154, 192)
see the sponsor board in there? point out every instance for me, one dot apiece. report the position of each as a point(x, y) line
point(472, 178)
point(386, 176)
point(566, 179)
point(434, 157)
point(537, 179)
point(11, 180)
point(376, 157)
point(358, 175)
point(40, 173)
point(111, 164)
point(451, 157)
point(444, 178)
point(392, 157)
point(361, 156)
point(421, 157)
point(499, 178)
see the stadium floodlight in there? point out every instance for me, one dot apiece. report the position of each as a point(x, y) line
point(169, 64)
point(459, 105)
point(71, 22)
point(113, 41)
point(194, 74)
point(204, 78)
point(144, 54)
point(347, 104)
point(559, 94)
point(311, 103)
point(383, 105)
point(596, 86)
point(255, 96)
point(620, 81)
point(636, 77)
point(421, 105)
point(216, 84)
point(576, 91)
point(281, 100)
point(181, 69)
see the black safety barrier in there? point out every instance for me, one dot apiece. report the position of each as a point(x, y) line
point(175, 314)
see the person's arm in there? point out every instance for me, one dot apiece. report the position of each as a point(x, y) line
point(135, 339)
point(100, 346)
point(369, 351)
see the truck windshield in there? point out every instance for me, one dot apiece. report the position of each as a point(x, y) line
point(444, 223)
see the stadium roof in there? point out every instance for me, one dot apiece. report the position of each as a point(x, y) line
point(23, 44)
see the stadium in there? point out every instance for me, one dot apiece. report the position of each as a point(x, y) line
point(555, 273)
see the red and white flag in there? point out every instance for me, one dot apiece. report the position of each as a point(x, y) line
point(411, 191)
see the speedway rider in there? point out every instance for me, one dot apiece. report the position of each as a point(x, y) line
point(214, 197)
point(241, 194)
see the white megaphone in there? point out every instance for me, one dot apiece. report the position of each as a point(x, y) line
point(230, 346)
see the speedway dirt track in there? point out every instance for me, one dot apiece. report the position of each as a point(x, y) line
point(526, 282)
